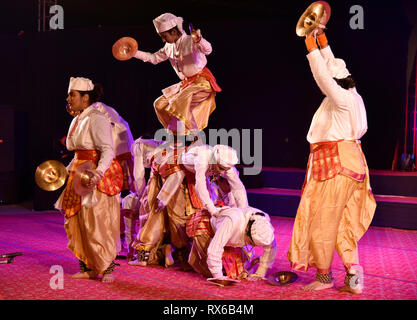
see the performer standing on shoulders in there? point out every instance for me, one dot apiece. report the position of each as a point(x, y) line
point(184, 107)
point(92, 222)
point(337, 205)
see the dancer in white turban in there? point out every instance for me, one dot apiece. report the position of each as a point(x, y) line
point(184, 107)
point(337, 205)
point(92, 222)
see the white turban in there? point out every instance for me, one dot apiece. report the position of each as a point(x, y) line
point(167, 21)
point(80, 84)
point(337, 68)
point(262, 232)
point(225, 156)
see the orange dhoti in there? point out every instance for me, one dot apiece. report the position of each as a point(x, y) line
point(336, 207)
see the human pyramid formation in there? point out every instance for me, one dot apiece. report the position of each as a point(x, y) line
point(193, 209)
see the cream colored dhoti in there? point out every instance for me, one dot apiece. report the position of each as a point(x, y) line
point(189, 109)
point(332, 214)
point(94, 233)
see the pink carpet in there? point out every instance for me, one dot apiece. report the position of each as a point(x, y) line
point(388, 257)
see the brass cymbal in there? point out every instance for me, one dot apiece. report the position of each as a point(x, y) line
point(50, 175)
point(222, 283)
point(124, 48)
point(282, 278)
point(81, 178)
point(312, 17)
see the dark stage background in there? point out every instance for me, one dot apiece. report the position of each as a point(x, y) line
point(257, 59)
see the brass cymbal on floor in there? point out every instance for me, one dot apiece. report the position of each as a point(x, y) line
point(124, 48)
point(282, 278)
point(50, 175)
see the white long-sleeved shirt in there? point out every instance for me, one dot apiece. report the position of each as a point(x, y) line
point(122, 137)
point(342, 114)
point(92, 132)
point(145, 151)
point(186, 57)
point(198, 159)
point(229, 230)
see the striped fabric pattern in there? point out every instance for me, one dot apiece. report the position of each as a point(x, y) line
point(111, 183)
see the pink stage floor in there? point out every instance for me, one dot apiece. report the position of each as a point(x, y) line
point(388, 257)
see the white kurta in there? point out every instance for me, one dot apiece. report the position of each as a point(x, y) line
point(230, 228)
point(198, 159)
point(342, 114)
point(186, 57)
point(122, 137)
point(91, 130)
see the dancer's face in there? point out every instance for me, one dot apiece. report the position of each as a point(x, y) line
point(219, 169)
point(169, 36)
point(76, 101)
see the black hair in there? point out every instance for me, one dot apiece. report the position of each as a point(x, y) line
point(174, 29)
point(250, 223)
point(346, 83)
point(94, 95)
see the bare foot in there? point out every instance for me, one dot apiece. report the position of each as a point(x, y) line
point(84, 275)
point(107, 278)
point(316, 285)
point(169, 260)
point(350, 290)
point(137, 263)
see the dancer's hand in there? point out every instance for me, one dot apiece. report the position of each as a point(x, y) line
point(97, 175)
point(160, 206)
point(196, 35)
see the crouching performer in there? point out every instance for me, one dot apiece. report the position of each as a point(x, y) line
point(237, 228)
point(164, 203)
point(212, 176)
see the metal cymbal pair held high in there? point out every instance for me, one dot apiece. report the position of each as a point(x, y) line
point(124, 48)
point(317, 13)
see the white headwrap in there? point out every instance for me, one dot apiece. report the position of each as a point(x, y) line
point(167, 21)
point(225, 156)
point(337, 68)
point(80, 84)
point(262, 232)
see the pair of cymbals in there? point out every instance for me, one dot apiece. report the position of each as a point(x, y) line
point(51, 175)
point(317, 13)
point(124, 48)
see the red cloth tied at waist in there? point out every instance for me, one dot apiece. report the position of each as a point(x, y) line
point(110, 184)
point(206, 73)
point(326, 161)
point(126, 162)
point(166, 169)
